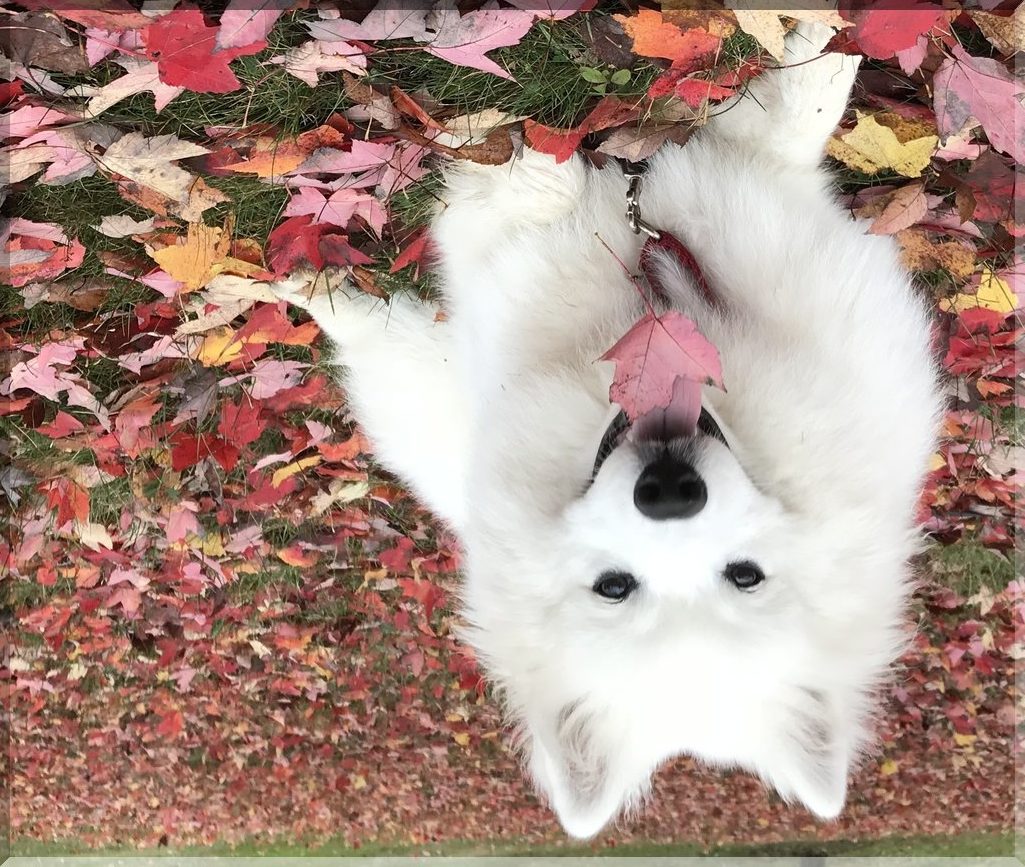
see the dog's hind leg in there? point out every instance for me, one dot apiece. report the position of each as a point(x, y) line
point(790, 112)
point(401, 384)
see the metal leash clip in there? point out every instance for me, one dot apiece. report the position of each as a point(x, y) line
point(633, 207)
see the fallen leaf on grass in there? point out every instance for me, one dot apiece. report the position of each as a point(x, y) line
point(299, 242)
point(906, 207)
point(920, 252)
point(765, 25)
point(123, 226)
point(308, 61)
point(871, 147)
point(993, 294)
point(149, 162)
point(186, 52)
point(140, 76)
point(41, 41)
point(37, 251)
point(465, 39)
point(653, 36)
point(979, 87)
point(1005, 32)
point(245, 22)
point(201, 256)
point(882, 33)
point(562, 143)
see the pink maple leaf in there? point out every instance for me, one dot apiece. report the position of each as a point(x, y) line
point(465, 40)
point(966, 86)
point(662, 362)
point(245, 22)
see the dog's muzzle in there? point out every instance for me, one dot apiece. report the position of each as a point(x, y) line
point(620, 426)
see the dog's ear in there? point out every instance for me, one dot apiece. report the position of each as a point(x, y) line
point(587, 772)
point(810, 760)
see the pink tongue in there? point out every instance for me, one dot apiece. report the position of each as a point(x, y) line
point(679, 419)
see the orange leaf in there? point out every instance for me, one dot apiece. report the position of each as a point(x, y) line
point(653, 36)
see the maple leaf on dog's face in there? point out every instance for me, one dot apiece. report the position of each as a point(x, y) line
point(652, 356)
point(185, 49)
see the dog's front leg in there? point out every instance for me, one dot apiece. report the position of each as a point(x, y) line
point(790, 112)
point(402, 385)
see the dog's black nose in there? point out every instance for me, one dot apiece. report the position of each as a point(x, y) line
point(669, 487)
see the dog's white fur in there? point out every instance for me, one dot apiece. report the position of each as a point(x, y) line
point(493, 416)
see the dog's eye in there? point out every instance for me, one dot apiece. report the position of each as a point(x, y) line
point(744, 575)
point(615, 586)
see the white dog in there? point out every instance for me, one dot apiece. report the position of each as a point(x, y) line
point(744, 612)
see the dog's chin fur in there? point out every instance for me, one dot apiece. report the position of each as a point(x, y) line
point(830, 410)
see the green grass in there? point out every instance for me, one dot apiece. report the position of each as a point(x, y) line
point(962, 845)
point(545, 66)
point(967, 567)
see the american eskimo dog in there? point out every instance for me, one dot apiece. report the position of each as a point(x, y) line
point(744, 608)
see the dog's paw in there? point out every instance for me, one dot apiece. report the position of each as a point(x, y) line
point(296, 289)
point(312, 290)
point(807, 41)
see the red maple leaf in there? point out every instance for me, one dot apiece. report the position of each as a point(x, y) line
point(298, 241)
point(882, 32)
point(185, 49)
point(416, 252)
point(661, 363)
point(561, 143)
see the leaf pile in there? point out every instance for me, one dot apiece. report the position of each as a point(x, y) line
point(217, 593)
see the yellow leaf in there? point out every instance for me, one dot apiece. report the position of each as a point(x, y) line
point(871, 147)
point(888, 768)
point(936, 462)
point(964, 740)
point(293, 468)
point(219, 347)
point(201, 256)
point(358, 781)
point(994, 293)
point(461, 738)
point(212, 545)
point(767, 29)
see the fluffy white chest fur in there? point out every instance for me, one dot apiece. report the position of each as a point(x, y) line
point(494, 416)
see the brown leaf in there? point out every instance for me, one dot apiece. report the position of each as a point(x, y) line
point(906, 207)
point(1005, 32)
point(920, 253)
point(38, 40)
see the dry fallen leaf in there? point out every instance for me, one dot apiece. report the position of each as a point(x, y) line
point(920, 253)
point(871, 147)
point(200, 256)
point(993, 294)
point(1005, 32)
point(765, 25)
point(149, 162)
